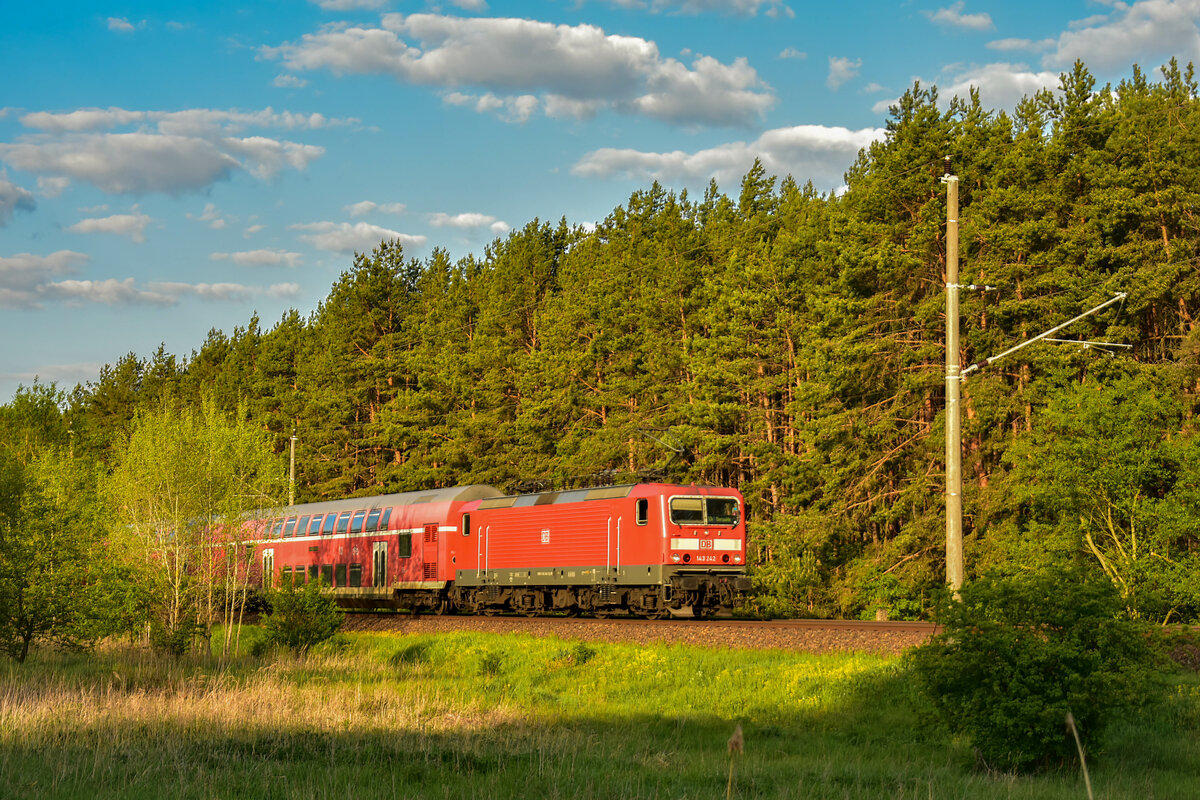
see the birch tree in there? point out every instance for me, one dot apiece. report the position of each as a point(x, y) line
point(185, 484)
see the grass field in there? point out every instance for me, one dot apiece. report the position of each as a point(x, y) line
point(471, 715)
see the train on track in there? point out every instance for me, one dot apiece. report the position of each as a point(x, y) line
point(648, 549)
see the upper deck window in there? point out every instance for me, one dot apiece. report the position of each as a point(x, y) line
point(356, 524)
point(290, 527)
point(343, 521)
point(373, 520)
point(314, 527)
point(705, 511)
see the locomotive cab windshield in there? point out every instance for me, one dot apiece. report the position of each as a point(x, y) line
point(705, 511)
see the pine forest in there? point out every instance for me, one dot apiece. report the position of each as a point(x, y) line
point(771, 338)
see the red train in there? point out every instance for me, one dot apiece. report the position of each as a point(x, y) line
point(646, 549)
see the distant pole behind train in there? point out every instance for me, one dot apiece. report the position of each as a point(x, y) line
point(292, 473)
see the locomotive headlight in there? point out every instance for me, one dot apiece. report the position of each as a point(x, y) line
point(737, 559)
point(675, 557)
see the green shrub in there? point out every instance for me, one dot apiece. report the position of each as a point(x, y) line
point(301, 616)
point(1017, 654)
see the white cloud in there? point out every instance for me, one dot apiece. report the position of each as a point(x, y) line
point(1014, 45)
point(132, 225)
point(806, 152)
point(283, 291)
point(62, 374)
point(265, 158)
point(478, 6)
point(469, 221)
point(841, 70)
point(368, 207)
point(122, 25)
point(253, 229)
point(126, 163)
point(127, 292)
point(791, 52)
point(351, 5)
point(22, 275)
point(743, 8)
point(1131, 32)
point(953, 17)
point(261, 258)
point(81, 120)
point(215, 219)
point(28, 281)
point(517, 64)
point(359, 237)
point(146, 162)
point(515, 108)
point(289, 82)
point(1000, 85)
point(51, 186)
point(111, 292)
point(13, 198)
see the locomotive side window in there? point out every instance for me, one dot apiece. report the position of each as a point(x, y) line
point(466, 525)
point(642, 513)
point(373, 520)
point(404, 549)
point(356, 524)
point(721, 510)
point(687, 510)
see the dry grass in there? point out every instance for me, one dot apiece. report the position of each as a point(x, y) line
point(476, 716)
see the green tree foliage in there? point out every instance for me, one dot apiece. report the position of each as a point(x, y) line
point(301, 617)
point(782, 341)
point(183, 486)
point(1113, 471)
point(1018, 654)
point(62, 579)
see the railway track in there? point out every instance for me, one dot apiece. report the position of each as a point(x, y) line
point(806, 635)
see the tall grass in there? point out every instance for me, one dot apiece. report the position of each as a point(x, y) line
point(467, 715)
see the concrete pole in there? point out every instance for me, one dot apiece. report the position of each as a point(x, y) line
point(954, 545)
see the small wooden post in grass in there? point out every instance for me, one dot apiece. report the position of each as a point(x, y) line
point(1087, 781)
point(736, 744)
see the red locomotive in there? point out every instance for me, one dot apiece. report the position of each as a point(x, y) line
point(647, 549)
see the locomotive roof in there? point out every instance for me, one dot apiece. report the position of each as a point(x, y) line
point(575, 495)
point(455, 494)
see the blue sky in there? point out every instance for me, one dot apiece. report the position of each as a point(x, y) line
point(168, 168)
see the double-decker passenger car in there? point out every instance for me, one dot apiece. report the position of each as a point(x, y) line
point(651, 549)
